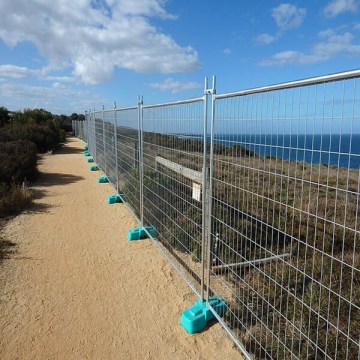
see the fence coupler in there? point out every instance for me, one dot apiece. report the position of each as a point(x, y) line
point(116, 198)
point(140, 233)
point(195, 319)
point(103, 179)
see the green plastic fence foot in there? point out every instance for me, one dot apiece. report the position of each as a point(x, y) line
point(90, 160)
point(195, 319)
point(86, 153)
point(86, 147)
point(116, 198)
point(94, 168)
point(140, 233)
point(102, 180)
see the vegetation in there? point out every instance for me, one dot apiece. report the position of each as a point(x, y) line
point(262, 206)
point(23, 135)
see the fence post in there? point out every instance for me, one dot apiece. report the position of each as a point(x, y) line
point(102, 115)
point(87, 140)
point(95, 152)
point(209, 194)
point(204, 194)
point(141, 159)
point(116, 149)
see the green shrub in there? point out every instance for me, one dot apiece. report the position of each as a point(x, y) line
point(46, 137)
point(18, 161)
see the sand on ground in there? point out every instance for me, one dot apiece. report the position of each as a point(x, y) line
point(75, 288)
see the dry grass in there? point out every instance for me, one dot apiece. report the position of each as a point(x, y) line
point(262, 207)
point(14, 198)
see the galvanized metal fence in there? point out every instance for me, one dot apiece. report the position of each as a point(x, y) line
point(255, 199)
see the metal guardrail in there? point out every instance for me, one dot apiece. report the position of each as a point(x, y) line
point(255, 198)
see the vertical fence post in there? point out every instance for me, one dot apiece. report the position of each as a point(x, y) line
point(116, 149)
point(204, 194)
point(141, 159)
point(95, 131)
point(209, 192)
point(86, 118)
point(103, 124)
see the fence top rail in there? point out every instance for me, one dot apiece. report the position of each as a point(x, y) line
point(127, 108)
point(111, 110)
point(293, 84)
point(179, 102)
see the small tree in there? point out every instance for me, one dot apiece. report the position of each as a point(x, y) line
point(4, 116)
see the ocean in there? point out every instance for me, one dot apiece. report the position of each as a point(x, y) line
point(335, 149)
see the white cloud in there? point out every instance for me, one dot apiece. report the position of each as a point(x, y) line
point(93, 39)
point(56, 98)
point(226, 51)
point(17, 72)
point(288, 16)
point(330, 46)
point(336, 7)
point(174, 86)
point(265, 39)
point(64, 79)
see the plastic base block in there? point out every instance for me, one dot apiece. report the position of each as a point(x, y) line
point(86, 147)
point(90, 160)
point(94, 168)
point(102, 180)
point(116, 198)
point(195, 319)
point(86, 153)
point(140, 233)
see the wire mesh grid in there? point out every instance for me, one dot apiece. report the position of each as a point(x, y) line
point(99, 140)
point(282, 212)
point(110, 146)
point(127, 132)
point(284, 223)
point(173, 160)
point(91, 136)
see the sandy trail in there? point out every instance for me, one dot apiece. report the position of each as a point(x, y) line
point(77, 289)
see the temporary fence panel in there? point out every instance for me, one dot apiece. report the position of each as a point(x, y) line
point(110, 146)
point(256, 202)
point(127, 156)
point(284, 220)
point(173, 160)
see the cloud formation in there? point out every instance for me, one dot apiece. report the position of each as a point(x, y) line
point(174, 86)
point(336, 7)
point(91, 37)
point(264, 39)
point(331, 44)
point(288, 16)
point(17, 72)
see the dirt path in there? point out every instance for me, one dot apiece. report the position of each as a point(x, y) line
point(77, 289)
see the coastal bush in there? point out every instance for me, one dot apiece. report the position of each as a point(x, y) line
point(18, 161)
point(46, 137)
point(14, 198)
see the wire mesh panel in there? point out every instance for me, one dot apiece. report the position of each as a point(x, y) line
point(91, 135)
point(74, 127)
point(127, 131)
point(99, 141)
point(285, 243)
point(173, 161)
point(110, 149)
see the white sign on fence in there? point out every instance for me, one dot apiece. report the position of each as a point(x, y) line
point(196, 192)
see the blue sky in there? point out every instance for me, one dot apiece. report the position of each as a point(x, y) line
point(68, 56)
